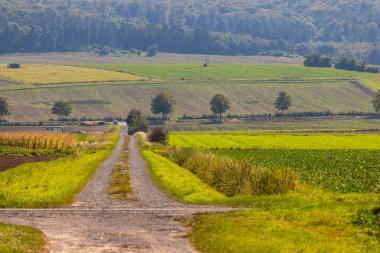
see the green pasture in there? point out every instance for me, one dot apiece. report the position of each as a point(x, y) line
point(276, 141)
point(20, 239)
point(241, 72)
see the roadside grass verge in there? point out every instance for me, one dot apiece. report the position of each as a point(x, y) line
point(120, 181)
point(53, 183)
point(232, 177)
point(179, 182)
point(290, 230)
point(20, 239)
point(306, 220)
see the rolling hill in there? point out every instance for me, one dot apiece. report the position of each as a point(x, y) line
point(251, 88)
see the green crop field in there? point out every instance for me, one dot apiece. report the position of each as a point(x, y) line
point(276, 141)
point(241, 72)
point(335, 170)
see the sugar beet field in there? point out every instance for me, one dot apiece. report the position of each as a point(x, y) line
point(334, 162)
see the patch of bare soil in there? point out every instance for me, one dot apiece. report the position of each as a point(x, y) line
point(8, 162)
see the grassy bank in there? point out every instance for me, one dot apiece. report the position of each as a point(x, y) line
point(179, 182)
point(20, 239)
point(54, 183)
point(304, 221)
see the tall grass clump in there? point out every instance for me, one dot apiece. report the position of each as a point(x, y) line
point(233, 178)
point(120, 181)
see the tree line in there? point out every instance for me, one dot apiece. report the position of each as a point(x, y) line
point(344, 63)
point(244, 27)
point(164, 104)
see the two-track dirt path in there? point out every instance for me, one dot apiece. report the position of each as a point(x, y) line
point(96, 223)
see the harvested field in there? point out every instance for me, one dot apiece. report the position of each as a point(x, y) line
point(54, 74)
point(8, 162)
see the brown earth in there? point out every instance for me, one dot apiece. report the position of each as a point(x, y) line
point(8, 162)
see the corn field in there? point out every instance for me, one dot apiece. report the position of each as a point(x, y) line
point(38, 140)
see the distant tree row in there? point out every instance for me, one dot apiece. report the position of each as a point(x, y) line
point(163, 103)
point(345, 63)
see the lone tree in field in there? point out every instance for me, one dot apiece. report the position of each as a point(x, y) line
point(163, 104)
point(4, 107)
point(219, 104)
point(62, 109)
point(283, 102)
point(376, 101)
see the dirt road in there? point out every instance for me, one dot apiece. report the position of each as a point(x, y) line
point(96, 223)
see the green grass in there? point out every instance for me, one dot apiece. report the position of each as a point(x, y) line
point(179, 182)
point(241, 72)
point(34, 152)
point(305, 221)
point(279, 125)
point(227, 71)
point(333, 170)
point(120, 181)
point(275, 141)
point(20, 239)
point(53, 183)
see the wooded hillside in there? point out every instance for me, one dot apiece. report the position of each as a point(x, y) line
point(191, 26)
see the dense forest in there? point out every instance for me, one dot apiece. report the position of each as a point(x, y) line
point(235, 27)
